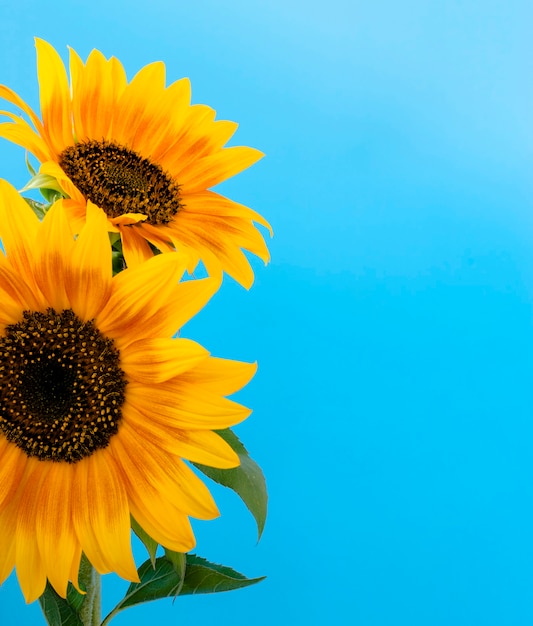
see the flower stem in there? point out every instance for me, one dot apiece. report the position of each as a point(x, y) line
point(89, 580)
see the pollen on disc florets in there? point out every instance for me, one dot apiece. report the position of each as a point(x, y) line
point(120, 180)
point(61, 386)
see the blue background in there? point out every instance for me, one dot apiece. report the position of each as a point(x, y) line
point(393, 328)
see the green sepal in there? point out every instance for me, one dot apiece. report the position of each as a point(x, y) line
point(113, 239)
point(38, 208)
point(30, 167)
point(43, 182)
point(60, 612)
point(247, 480)
point(149, 543)
point(118, 262)
point(179, 563)
point(163, 581)
point(51, 195)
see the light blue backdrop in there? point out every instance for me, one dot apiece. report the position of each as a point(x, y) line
point(393, 329)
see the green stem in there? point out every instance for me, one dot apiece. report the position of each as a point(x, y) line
point(89, 580)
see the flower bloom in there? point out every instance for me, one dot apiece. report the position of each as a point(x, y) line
point(144, 155)
point(99, 405)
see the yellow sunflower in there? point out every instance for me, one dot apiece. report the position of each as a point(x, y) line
point(98, 404)
point(144, 155)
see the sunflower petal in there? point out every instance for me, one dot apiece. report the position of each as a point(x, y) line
point(31, 571)
point(54, 96)
point(215, 168)
point(101, 516)
point(58, 545)
point(152, 361)
point(89, 274)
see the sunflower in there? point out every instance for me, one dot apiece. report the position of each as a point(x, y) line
point(99, 406)
point(145, 156)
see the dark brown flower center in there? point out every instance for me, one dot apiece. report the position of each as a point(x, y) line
point(120, 181)
point(61, 386)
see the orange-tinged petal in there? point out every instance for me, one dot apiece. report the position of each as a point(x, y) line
point(11, 96)
point(89, 282)
point(152, 510)
point(93, 94)
point(199, 446)
point(58, 545)
point(18, 230)
point(206, 137)
point(161, 120)
point(101, 516)
point(31, 571)
point(150, 361)
point(210, 205)
point(8, 526)
point(179, 307)
point(118, 78)
point(22, 134)
point(128, 219)
point(131, 108)
point(178, 96)
point(54, 96)
point(134, 246)
point(16, 295)
point(12, 470)
point(167, 474)
point(186, 406)
point(53, 253)
point(156, 236)
point(215, 168)
point(138, 294)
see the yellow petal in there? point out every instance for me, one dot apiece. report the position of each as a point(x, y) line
point(215, 168)
point(131, 108)
point(53, 253)
point(8, 525)
point(134, 246)
point(22, 134)
point(93, 95)
point(11, 96)
point(58, 545)
point(222, 376)
point(139, 295)
point(151, 361)
point(101, 516)
point(198, 446)
point(18, 230)
point(54, 96)
point(185, 406)
point(31, 571)
point(89, 273)
point(12, 470)
point(168, 474)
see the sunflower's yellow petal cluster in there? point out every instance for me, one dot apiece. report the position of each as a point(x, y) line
point(102, 403)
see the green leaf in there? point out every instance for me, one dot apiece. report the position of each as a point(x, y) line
point(58, 611)
point(179, 563)
point(247, 480)
point(118, 262)
point(149, 543)
point(51, 195)
point(163, 581)
point(38, 208)
point(30, 167)
point(201, 576)
point(75, 598)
